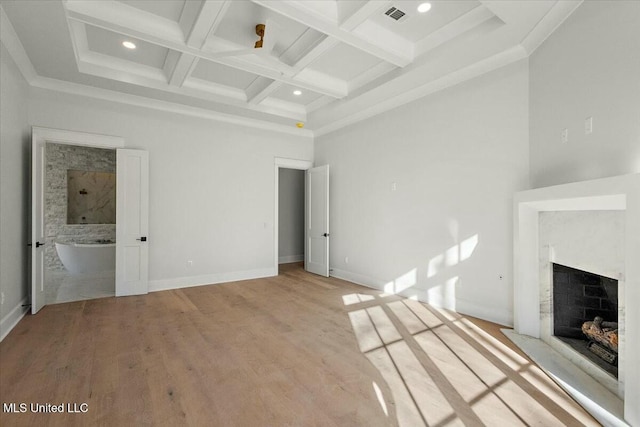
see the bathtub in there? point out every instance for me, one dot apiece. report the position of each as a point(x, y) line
point(81, 258)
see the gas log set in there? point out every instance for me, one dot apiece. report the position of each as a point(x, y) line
point(603, 339)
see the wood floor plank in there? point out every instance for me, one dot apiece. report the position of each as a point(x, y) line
point(296, 349)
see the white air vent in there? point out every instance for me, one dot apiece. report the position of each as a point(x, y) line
point(395, 13)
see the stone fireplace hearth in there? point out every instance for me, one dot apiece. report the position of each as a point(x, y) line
point(592, 226)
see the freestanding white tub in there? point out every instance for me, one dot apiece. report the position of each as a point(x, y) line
point(82, 258)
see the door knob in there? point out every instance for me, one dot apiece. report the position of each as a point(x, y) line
point(38, 244)
point(326, 234)
point(142, 239)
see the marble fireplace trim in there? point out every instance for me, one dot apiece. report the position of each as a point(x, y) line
point(547, 258)
point(615, 193)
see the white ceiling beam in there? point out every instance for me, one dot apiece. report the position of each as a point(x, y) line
point(303, 61)
point(125, 71)
point(197, 21)
point(261, 88)
point(461, 25)
point(399, 54)
point(116, 16)
point(209, 18)
point(363, 13)
point(182, 69)
point(124, 19)
point(370, 75)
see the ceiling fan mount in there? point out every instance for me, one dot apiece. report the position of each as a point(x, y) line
point(260, 32)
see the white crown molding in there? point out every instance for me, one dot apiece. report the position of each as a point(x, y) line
point(16, 50)
point(166, 106)
point(12, 43)
point(549, 24)
point(464, 23)
point(494, 62)
point(543, 29)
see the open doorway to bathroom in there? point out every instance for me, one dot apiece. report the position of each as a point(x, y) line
point(291, 211)
point(80, 222)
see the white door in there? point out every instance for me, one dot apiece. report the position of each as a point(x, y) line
point(132, 222)
point(317, 253)
point(37, 224)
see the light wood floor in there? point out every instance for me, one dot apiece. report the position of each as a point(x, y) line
point(296, 349)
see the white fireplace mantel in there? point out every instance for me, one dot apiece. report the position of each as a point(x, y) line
point(616, 193)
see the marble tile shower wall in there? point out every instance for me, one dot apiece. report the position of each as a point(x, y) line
point(60, 158)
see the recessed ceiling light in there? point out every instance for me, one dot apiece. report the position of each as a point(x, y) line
point(297, 92)
point(424, 7)
point(128, 44)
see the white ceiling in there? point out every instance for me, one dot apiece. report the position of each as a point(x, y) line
point(349, 59)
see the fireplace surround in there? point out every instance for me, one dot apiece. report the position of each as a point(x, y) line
point(532, 277)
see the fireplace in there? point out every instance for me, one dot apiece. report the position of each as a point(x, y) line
point(589, 248)
point(580, 297)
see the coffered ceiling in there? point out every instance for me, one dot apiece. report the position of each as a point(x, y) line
point(326, 63)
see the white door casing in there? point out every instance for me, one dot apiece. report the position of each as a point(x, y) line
point(317, 221)
point(38, 156)
point(39, 137)
point(132, 222)
point(281, 162)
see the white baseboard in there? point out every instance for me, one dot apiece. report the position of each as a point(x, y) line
point(209, 279)
point(500, 317)
point(290, 258)
point(12, 318)
point(359, 279)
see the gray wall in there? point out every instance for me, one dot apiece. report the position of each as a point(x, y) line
point(589, 67)
point(14, 190)
point(290, 215)
point(211, 194)
point(456, 159)
point(59, 159)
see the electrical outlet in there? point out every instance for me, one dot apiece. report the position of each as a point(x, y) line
point(394, 187)
point(588, 125)
point(565, 135)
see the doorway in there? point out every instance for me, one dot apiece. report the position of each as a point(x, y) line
point(293, 171)
point(80, 222)
point(131, 215)
point(291, 207)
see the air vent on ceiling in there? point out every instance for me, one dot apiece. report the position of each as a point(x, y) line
point(395, 13)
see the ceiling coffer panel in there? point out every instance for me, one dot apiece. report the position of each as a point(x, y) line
point(415, 26)
point(221, 74)
point(110, 43)
point(239, 27)
point(290, 93)
point(169, 9)
point(344, 62)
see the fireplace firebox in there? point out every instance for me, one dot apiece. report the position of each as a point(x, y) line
point(579, 298)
